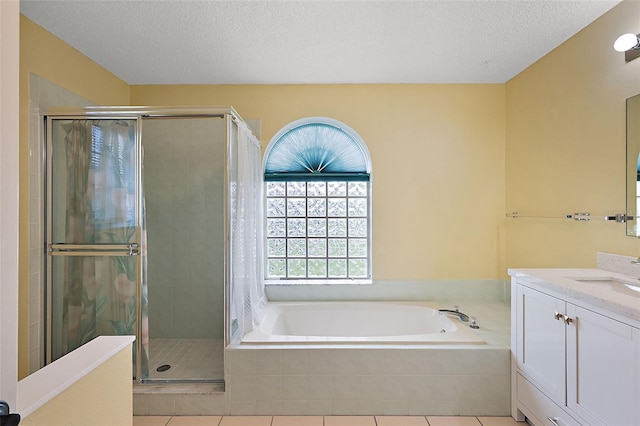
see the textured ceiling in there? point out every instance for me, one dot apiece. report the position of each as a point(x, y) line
point(269, 42)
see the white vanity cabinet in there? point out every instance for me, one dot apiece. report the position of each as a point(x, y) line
point(574, 364)
point(541, 342)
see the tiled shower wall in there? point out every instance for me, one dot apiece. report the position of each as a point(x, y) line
point(42, 94)
point(184, 164)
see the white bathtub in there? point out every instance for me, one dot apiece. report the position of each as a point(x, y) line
point(359, 323)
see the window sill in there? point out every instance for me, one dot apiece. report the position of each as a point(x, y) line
point(346, 281)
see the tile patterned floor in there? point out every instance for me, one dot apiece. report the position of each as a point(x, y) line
point(189, 359)
point(401, 421)
point(322, 421)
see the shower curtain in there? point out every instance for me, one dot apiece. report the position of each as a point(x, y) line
point(102, 185)
point(248, 298)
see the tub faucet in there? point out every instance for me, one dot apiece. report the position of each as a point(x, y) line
point(456, 312)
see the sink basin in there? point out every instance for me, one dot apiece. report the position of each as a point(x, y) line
point(630, 288)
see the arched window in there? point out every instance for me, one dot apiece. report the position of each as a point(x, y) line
point(318, 204)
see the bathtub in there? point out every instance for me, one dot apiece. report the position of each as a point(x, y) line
point(359, 323)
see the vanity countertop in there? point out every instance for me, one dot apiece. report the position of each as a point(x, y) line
point(588, 285)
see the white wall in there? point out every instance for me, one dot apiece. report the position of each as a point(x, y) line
point(9, 106)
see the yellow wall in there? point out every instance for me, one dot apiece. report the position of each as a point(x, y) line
point(565, 149)
point(104, 397)
point(43, 54)
point(448, 160)
point(438, 163)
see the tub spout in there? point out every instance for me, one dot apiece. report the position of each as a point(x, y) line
point(456, 312)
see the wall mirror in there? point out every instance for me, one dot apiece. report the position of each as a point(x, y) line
point(633, 165)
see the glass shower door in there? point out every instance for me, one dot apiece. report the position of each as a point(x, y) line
point(94, 234)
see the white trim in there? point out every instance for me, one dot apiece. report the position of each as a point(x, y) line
point(9, 190)
point(319, 281)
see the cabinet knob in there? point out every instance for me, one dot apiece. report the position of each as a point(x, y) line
point(568, 320)
point(558, 316)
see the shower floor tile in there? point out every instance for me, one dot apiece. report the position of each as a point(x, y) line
point(188, 359)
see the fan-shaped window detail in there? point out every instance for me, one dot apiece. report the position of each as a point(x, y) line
point(317, 148)
point(318, 204)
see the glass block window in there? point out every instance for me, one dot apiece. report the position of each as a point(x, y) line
point(318, 219)
point(317, 229)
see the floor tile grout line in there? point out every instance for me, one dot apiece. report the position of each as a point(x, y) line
point(271, 423)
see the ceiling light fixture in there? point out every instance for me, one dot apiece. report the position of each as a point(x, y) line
point(629, 44)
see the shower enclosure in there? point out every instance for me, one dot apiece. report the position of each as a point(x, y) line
point(139, 234)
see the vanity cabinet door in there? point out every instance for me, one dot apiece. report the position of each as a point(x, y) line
point(541, 341)
point(603, 372)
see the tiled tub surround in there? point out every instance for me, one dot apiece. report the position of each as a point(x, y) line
point(367, 380)
point(357, 379)
point(445, 292)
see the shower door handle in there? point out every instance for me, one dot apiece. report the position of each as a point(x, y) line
point(61, 249)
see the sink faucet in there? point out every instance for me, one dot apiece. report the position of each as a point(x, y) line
point(456, 312)
point(636, 262)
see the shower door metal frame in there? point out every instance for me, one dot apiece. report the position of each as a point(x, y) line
point(138, 114)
